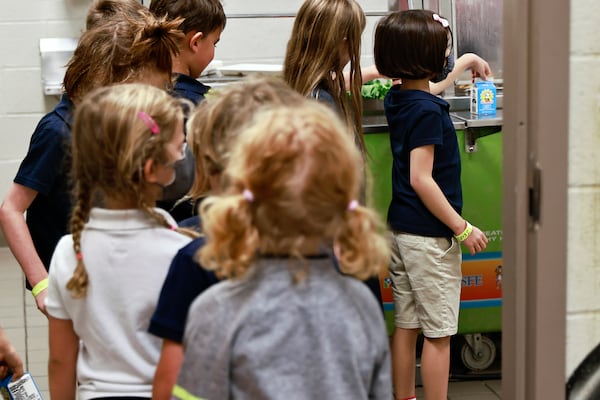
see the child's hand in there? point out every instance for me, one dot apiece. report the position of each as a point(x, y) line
point(9, 359)
point(478, 66)
point(476, 241)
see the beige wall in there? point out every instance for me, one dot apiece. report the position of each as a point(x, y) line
point(583, 271)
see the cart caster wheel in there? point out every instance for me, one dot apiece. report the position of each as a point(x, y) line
point(478, 353)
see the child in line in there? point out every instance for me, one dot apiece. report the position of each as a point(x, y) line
point(424, 213)
point(212, 130)
point(203, 23)
point(105, 277)
point(287, 324)
point(121, 49)
point(326, 36)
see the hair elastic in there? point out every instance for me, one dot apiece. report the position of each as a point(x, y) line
point(149, 121)
point(441, 20)
point(173, 227)
point(79, 256)
point(248, 195)
point(353, 205)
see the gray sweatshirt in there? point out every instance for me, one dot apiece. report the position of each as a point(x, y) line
point(288, 330)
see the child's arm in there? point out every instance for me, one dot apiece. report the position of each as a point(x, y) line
point(165, 377)
point(421, 179)
point(12, 220)
point(478, 66)
point(62, 360)
point(367, 74)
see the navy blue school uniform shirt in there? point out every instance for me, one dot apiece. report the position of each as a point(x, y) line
point(190, 88)
point(185, 280)
point(45, 169)
point(417, 118)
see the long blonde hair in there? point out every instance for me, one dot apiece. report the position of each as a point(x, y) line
point(110, 146)
point(292, 176)
point(314, 54)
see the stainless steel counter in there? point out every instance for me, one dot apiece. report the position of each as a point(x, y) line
point(478, 121)
point(376, 123)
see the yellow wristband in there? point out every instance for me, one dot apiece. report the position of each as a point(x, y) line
point(465, 234)
point(39, 287)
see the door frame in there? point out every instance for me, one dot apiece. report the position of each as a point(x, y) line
point(535, 128)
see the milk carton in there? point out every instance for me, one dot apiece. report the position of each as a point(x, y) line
point(483, 98)
point(23, 388)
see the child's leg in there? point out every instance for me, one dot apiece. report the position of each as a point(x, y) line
point(404, 343)
point(435, 367)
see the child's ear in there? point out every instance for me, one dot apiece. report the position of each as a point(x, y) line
point(150, 171)
point(193, 40)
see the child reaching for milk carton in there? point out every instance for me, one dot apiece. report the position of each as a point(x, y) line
point(425, 211)
point(287, 324)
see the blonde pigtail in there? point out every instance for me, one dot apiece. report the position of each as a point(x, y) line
point(78, 283)
point(233, 239)
point(363, 249)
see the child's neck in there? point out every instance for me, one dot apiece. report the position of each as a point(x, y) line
point(416, 84)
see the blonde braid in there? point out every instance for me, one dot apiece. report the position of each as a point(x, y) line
point(79, 281)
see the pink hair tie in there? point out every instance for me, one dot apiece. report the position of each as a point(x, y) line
point(248, 195)
point(353, 205)
point(441, 20)
point(149, 121)
point(79, 256)
point(173, 227)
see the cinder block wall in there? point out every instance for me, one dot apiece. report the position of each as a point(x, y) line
point(583, 274)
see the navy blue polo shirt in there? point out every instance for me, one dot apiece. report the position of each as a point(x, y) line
point(190, 88)
point(185, 280)
point(46, 169)
point(417, 118)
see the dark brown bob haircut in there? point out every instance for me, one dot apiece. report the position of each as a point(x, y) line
point(411, 44)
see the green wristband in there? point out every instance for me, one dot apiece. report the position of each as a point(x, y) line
point(465, 234)
point(39, 287)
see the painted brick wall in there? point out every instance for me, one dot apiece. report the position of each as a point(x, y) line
point(583, 275)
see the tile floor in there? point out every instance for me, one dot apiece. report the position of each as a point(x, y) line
point(27, 329)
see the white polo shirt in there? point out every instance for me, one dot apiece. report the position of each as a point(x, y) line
point(127, 256)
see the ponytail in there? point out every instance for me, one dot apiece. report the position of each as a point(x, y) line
point(233, 239)
point(156, 43)
point(362, 250)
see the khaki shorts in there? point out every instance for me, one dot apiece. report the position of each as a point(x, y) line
point(426, 282)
